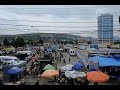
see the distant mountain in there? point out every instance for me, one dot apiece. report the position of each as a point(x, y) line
point(44, 36)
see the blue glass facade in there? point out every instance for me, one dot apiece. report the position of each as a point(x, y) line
point(105, 27)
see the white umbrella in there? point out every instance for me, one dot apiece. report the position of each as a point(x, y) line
point(74, 74)
point(67, 67)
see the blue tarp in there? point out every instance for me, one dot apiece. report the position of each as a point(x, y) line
point(117, 56)
point(14, 70)
point(106, 61)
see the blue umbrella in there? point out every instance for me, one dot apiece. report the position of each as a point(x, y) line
point(78, 66)
point(14, 70)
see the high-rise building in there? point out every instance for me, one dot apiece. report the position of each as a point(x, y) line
point(105, 28)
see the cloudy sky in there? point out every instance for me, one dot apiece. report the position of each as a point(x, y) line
point(74, 19)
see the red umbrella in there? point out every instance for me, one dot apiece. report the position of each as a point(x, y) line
point(97, 76)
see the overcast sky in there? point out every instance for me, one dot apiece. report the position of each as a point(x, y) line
point(74, 19)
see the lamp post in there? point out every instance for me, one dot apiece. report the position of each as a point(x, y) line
point(38, 39)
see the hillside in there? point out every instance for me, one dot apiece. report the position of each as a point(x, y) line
point(44, 36)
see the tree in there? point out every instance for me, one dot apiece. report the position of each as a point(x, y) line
point(6, 42)
point(40, 41)
point(19, 42)
point(13, 43)
point(30, 42)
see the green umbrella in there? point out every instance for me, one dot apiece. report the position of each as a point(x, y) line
point(48, 67)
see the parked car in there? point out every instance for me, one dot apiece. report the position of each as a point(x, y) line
point(72, 52)
point(6, 60)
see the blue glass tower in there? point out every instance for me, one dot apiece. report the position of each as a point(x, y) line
point(105, 28)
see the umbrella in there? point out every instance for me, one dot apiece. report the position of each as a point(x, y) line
point(74, 74)
point(50, 73)
point(14, 70)
point(97, 76)
point(48, 67)
point(77, 66)
point(67, 67)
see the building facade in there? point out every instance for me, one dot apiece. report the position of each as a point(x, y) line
point(105, 28)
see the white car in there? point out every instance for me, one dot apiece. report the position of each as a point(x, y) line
point(72, 52)
point(75, 46)
point(7, 60)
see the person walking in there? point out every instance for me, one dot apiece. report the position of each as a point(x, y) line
point(60, 56)
point(69, 58)
point(64, 60)
point(27, 72)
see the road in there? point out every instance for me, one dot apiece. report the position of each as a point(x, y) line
point(82, 56)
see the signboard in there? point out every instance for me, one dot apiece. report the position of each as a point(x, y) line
point(93, 64)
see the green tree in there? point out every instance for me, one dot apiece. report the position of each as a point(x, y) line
point(19, 42)
point(30, 42)
point(6, 42)
point(40, 41)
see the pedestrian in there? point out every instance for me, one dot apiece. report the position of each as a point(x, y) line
point(59, 73)
point(60, 56)
point(33, 72)
point(69, 58)
point(64, 60)
point(27, 72)
point(79, 81)
point(37, 83)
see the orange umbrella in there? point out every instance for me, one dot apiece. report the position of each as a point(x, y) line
point(97, 76)
point(50, 73)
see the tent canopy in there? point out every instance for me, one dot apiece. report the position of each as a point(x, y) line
point(106, 61)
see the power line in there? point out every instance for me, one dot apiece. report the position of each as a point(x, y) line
point(48, 21)
point(57, 26)
point(68, 13)
point(93, 7)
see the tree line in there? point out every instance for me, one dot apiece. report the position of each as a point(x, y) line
point(20, 42)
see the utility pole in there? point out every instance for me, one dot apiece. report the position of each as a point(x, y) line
point(38, 40)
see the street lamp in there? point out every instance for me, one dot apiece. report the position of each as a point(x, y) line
point(38, 38)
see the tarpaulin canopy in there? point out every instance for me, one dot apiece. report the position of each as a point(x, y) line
point(14, 70)
point(106, 61)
